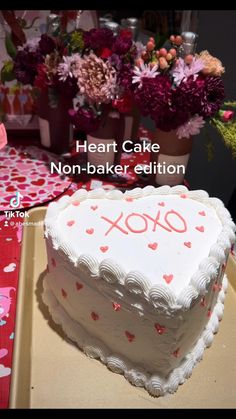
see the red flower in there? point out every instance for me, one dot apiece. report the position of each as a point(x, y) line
point(226, 116)
point(104, 53)
point(41, 79)
point(126, 33)
point(124, 104)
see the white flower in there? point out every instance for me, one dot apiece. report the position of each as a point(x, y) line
point(140, 48)
point(182, 71)
point(31, 44)
point(66, 69)
point(191, 127)
point(144, 71)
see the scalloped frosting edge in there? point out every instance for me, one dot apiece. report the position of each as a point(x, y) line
point(159, 295)
point(154, 384)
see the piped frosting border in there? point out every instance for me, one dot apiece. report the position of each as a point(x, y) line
point(159, 295)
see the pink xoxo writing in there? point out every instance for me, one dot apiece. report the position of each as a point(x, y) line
point(167, 223)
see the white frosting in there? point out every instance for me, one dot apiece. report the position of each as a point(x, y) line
point(129, 253)
point(155, 384)
point(146, 303)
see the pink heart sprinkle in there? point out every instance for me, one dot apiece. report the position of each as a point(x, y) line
point(104, 249)
point(160, 329)
point(161, 204)
point(176, 353)
point(76, 203)
point(94, 207)
point(94, 316)
point(70, 223)
point(79, 286)
point(116, 306)
point(64, 293)
point(215, 287)
point(183, 196)
point(129, 199)
point(188, 244)
point(202, 213)
point(129, 336)
point(168, 278)
point(153, 246)
point(203, 302)
point(200, 228)
point(90, 230)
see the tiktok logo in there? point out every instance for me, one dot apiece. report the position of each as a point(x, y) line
point(15, 201)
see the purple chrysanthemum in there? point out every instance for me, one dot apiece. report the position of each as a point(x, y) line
point(98, 38)
point(213, 97)
point(154, 94)
point(25, 65)
point(84, 119)
point(46, 44)
point(122, 45)
point(155, 99)
point(115, 61)
point(189, 95)
point(125, 76)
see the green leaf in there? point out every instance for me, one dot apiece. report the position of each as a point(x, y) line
point(7, 73)
point(209, 143)
point(10, 47)
point(31, 24)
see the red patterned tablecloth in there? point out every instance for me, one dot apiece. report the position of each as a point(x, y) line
point(10, 249)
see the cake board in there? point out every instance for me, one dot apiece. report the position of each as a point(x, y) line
point(51, 372)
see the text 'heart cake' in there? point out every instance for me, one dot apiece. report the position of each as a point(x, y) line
point(137, 279)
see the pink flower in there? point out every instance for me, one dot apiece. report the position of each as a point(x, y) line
point(226, 116)
point(182, 71)
point(96, 79)
point(145, 71)
point(192, 127)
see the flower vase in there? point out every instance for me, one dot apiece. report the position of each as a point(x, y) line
point(132, 121)
point(56, 131)
point(172, 158)
point(110, 131)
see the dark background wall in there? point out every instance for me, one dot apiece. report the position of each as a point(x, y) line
point(217, 34)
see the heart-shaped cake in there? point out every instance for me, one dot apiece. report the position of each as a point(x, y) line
point(150, 267)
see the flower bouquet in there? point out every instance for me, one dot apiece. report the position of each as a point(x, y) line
point(36, 63)
point(179, 92)
point(95, 66)
point(104, 71)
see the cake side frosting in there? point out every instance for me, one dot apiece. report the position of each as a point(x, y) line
point(131, 313)
point(155, 384)
point(87, 226)
point(155, 339)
